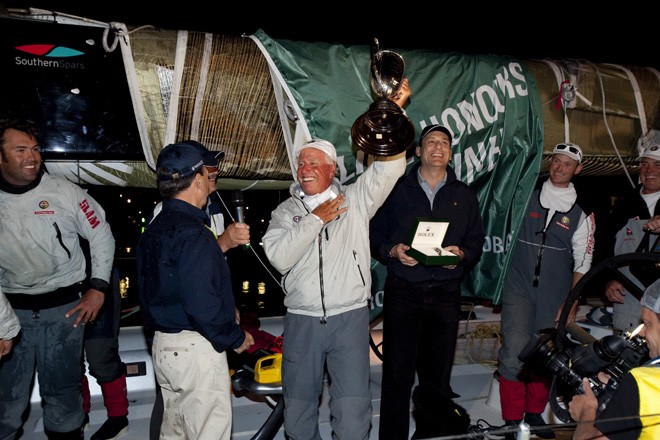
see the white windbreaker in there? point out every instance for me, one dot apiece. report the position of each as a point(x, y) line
point(9, 325)
point(331, 260)
point(39, 231)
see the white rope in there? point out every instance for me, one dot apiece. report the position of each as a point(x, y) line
point(607, 126)
point(559, 76)
point(201, 86)
point(104, 41)
point(179, 61)
point(136, 94)
point(639, 100)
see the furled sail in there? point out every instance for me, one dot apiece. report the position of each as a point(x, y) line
point(219, 89)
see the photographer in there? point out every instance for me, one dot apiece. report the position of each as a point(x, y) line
point(635, 413)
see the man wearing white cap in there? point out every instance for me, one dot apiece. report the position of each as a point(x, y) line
point(319, 240)
point(632, 411)
point(640, 212)
point(553, 251)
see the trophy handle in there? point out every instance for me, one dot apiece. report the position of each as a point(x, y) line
point(387, 69)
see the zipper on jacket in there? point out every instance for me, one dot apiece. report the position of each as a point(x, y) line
point(358, 266)
point(539, 258)
point(324, 318)
point(59, 238)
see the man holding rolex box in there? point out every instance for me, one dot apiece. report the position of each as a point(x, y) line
point(421, 308)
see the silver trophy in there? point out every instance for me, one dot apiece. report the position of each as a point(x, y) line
point(384, 130)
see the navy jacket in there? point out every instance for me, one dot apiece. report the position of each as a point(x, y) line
point(455, 203)
point(183, 277)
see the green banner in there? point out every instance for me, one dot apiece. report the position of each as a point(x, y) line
point(490, 103)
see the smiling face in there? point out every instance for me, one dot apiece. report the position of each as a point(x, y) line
point(562, 169)
point(21, 158)
point(212, 176)
point(649, 174)
point(435, 150)
point(651, 331)
point(315, 171)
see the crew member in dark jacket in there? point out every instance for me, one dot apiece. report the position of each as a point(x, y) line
point(421, 308)
point(185, 292)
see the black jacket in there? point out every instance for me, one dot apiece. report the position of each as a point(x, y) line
point(183, 277)
point(455, 203)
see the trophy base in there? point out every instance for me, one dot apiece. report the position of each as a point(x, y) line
point(383, 130)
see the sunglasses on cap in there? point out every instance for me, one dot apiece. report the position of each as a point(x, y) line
point(571, 149)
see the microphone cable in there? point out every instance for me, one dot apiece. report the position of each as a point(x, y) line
point(251, 248)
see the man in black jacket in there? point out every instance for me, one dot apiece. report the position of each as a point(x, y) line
point(421, 308)
point(185, 292)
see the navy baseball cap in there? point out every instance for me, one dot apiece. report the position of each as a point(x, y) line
point(184, 158)
point(435, 127)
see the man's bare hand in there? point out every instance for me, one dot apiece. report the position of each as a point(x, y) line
point(247, 343)
point(454, 250)
point(653, 225)
point(330, 209)
point(402, 94)
point(89, 307)
point(583, 406)
point(615, 292)
point(236, 234)
point(399, 252)
point(5, 347)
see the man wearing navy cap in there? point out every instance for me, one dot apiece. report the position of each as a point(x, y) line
point(421, 308)
point(553, 251)
point(186, 296)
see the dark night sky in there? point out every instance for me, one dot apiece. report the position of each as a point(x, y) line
point(550, 30)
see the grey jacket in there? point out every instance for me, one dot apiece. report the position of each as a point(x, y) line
point(39, 231)
point(327, 268)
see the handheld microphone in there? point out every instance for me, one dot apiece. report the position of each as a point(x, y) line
point(237, 200)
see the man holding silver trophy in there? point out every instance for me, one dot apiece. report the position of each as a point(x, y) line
point(319, 240)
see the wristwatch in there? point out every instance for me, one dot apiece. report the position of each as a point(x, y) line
point(390, 254)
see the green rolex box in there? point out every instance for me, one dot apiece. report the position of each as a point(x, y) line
point(426, 243)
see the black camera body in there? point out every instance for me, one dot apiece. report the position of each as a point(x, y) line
point(614, 355)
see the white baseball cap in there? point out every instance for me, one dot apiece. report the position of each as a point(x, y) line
point(652, 152)
point(319, 144)
point(571, 150)
point(651, 298)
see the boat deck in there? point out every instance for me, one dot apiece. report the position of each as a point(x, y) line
point(472, 378)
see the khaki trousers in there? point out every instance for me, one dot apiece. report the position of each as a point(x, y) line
point(194, 380)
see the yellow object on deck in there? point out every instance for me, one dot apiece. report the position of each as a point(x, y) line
point(268, 369)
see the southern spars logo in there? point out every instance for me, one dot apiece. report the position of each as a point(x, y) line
point(48, 56)
point(49, 50)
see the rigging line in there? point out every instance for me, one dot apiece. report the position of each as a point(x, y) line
point(251, 247)
point(609, 131)
point(113, 46)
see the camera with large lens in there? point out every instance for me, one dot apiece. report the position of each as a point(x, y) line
point(613, 354)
